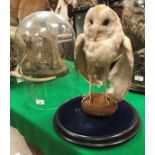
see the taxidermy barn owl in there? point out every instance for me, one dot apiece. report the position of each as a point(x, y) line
point(103, 51)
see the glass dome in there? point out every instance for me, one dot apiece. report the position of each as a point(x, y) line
point(40, 40)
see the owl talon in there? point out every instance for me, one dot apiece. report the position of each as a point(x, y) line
point(83, 98)
point(111, 99)
point(88, 97)
point(108, 102)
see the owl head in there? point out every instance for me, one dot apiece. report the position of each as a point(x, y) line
point(101, 22)
point(136, 6)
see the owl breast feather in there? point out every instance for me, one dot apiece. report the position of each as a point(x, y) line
point(100, 52)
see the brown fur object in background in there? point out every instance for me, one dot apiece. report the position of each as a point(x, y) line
point(53, 4)
point(22, 8)
point(27, 7)
point(14, 5)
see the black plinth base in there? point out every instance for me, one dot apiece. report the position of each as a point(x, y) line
point(137, 90)
point(79, 128)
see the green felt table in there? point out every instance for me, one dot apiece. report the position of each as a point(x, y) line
point(36, 125)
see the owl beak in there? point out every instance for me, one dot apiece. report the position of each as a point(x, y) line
point(95, 36)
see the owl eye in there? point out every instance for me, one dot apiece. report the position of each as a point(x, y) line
point(91, 21)
point(136, 4)
point(106, 22)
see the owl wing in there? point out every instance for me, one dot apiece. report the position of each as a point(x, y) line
point(121, 73)
point(79, 56)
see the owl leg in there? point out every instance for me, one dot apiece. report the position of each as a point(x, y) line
point(89, 96)
point(105, 74)
point(90, 90)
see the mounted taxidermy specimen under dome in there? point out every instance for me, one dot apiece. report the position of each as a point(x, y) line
point(40, 38)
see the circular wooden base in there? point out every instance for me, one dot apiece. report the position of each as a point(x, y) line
point(77, 127)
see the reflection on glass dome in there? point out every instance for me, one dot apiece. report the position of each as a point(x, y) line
point(40, 39)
